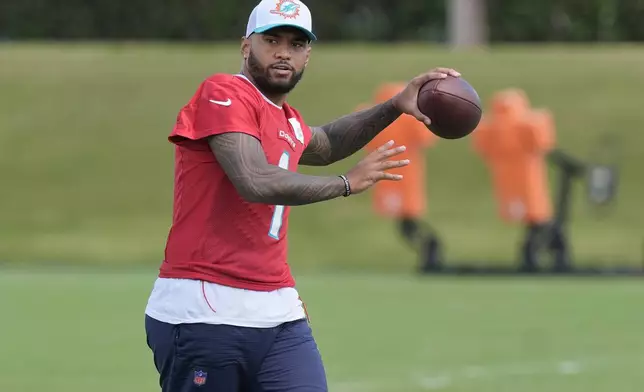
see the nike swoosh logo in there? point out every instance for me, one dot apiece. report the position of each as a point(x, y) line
point(222, 103)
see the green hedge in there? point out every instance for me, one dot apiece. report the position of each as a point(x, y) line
point(384, 20)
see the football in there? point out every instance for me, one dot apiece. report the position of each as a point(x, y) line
point(453, 106)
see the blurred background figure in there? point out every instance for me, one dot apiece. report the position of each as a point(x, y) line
point(405, 202)
point(514, 140)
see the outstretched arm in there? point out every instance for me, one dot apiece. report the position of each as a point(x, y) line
point(345, 136)
point(242, 158)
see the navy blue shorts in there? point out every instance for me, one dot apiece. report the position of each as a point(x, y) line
point(224, 358)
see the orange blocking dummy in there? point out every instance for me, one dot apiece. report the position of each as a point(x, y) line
point(514, 141)
point(405, 198)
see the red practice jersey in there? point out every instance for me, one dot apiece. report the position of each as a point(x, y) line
point(217, 236)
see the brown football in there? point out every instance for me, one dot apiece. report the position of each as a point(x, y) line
point(453, 106)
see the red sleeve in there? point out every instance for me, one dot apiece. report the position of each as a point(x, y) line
point(218, 107)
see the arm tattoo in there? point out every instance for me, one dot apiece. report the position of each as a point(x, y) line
point(242, 158)
point(347, 135)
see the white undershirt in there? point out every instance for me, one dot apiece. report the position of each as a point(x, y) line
point(184, 301)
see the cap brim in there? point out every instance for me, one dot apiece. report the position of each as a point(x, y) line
point(264, 29)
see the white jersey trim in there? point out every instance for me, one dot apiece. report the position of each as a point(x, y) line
point(260, 93)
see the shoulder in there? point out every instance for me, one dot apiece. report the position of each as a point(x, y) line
point(232, 94)
point(230, 85)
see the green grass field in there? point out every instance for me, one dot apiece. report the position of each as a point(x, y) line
point(87, 170)
point(83, 331)
point(87, 179)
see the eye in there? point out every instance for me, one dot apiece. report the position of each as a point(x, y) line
point(298, 44)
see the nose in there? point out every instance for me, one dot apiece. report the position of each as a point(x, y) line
point(283, 52)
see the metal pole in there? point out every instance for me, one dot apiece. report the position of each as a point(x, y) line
point(467, 23)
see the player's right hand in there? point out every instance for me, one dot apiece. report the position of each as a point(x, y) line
point(407, 100)
point(373, 168)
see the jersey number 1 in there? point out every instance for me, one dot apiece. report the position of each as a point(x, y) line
point(278, 214)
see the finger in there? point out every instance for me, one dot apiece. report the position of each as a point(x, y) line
point(392, 152)
point(448, 71)
point(424, 78)
point(385, 146)
point(390, 177)
point(395, 164)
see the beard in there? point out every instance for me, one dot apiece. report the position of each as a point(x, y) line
point(262, 77)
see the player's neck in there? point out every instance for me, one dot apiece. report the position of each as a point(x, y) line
point(278, 99)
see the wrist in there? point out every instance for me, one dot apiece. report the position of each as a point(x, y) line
point(395, 103)
point(347, 185)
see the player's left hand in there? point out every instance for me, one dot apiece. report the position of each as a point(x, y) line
point(407, 100)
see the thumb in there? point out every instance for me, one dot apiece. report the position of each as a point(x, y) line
point(421, 117)
point(425, 120)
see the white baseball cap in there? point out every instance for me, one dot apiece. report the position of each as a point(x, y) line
point(269, 14)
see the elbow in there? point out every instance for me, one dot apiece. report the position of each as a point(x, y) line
point(329, 160)
point(318, 159)
point(319, 162)
point(250, 193)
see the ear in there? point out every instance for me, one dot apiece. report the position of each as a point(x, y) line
point(245, 47)
point(308, 55)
